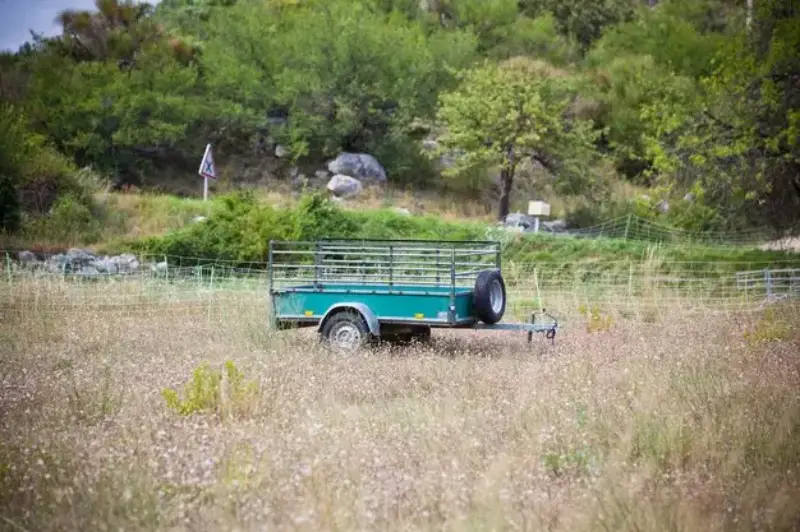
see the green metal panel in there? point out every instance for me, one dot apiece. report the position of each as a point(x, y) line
point(387, 303)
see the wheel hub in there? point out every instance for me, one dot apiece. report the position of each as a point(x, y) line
point(496, 296)
point(345, 336)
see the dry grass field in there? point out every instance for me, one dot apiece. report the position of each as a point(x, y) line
point(686, 422)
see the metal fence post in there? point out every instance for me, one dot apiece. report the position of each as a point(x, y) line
point(768, 282)
point(627, 226)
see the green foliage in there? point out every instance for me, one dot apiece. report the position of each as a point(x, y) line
point(103, 116)
point(738, 139)
point(15, 146)
point(340, 69)
point(670, 41)
point(596, 321)
point(212, 391)
point(770, 327)
point(581, 20)
point(503, 114)
point(534, 37)
point(68, 222)
point(39, 188)
point(239, 228)
point(679, 96)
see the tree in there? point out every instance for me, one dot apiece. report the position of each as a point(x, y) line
point(504, 113)
point(582, 20)
point(740, 138)
point(344, 74)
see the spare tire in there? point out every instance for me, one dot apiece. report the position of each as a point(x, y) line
point(489, 296)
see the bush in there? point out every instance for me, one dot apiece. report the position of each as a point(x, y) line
point(70, 221)
point(39, 186)
point(212, 391)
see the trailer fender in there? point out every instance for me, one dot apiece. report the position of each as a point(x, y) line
point(372, 320)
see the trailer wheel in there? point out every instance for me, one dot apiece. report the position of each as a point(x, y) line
point(489, 296)
point(346, 331)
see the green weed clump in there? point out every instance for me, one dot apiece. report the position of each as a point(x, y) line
point(596, 321)
point(769, 328)
point(212, 391)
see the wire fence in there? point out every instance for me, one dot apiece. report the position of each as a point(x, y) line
point(635, 228)
point(635, 288)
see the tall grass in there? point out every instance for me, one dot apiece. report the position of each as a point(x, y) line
point(684, 423)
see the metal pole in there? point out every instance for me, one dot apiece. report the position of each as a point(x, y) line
point(627, 226)
point(768, 282)
point(452, 312)
point(205, 188)
point(269, 267)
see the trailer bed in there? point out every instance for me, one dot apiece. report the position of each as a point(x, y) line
point(402, 304)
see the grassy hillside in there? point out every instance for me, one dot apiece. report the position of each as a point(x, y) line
point(237, 228)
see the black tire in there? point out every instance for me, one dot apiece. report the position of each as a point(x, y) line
point(489, 286)
point(346, 331)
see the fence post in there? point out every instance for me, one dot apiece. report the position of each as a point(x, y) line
point(8, 267)
point(627, 226)
point(768, 282)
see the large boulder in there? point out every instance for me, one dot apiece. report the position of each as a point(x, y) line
point(344, 186)
point(361, 166)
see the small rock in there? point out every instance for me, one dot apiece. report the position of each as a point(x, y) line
point(104, 266)
point(198, 219)
point(555, 226)
point(429, 145)
point(517, 219)
point(59, 264)
point(322, 174)
point(688, 197)
point(300, 181)
point(344, 186)
point(125, 263)
point(80, 256)
point(88, 271)
point(402, 211)
point(663, 206)
point(26, 256)
point(281, 151)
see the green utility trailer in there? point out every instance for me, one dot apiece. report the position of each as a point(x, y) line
point(356, 291)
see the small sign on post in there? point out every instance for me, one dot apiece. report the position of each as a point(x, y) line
point(207, 170)
point(537, 209)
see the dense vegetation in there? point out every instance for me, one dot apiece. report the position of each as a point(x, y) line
point(697, 100)
point(238, 229)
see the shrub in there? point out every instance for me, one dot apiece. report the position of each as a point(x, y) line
point(596, 321)
point(212, 391)
point(771, 327)
point(37, 182)
point(70, 221)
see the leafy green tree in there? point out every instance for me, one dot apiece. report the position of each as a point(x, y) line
point(672, 41)
point(740, 139)
point(581, 20)
point(502, 114)
point(347, 75)
point(111, 118)
point(534, 37)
